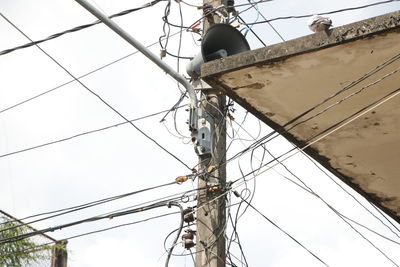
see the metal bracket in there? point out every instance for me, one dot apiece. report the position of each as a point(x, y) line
point(202, 135)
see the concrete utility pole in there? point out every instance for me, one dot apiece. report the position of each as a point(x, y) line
point(211, 218)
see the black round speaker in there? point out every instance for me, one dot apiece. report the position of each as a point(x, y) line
point(222, 40)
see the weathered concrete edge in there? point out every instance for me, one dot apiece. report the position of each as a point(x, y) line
point(309, 43)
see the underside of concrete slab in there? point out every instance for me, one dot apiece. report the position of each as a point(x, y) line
point(335, 92)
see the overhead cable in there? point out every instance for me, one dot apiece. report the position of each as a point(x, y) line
point(310, 191)
point(87, 220)
point(323, 13)
point(36, 248)
point(99, 97)
point(355, 199)
point(269, 23)
point(350, 85)
point(79, 77)
point(280, 229)
point(329, 131)
point(78, 28)
point(341, 216)
point(317, 138)
point(79, 207)
point(84, 133)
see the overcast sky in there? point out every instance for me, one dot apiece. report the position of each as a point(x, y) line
point(120, 159)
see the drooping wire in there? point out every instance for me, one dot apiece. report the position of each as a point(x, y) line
point(235, 232)
point(166, 26)
point(167, 29)
point(99, 97)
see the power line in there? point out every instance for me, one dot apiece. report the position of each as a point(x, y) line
point(341, 216)
point(380, 212)
point(269, 23)
point(84, 133)
point(79, 207)
point(319, 136)
point(324, 13)
point(99, 97)
point(277, 226)
point(78, 28)
point(181, 196)
point(34, 249)
point(354, 198)
point(87, 220)
point(329, 131)
point(79, 77)
point(250, 29)
point(308, 190)
point(11, 219)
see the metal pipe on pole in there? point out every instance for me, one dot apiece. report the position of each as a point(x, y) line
point(125, 35)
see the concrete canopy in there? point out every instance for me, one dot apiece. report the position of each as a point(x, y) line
point(346, 81)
